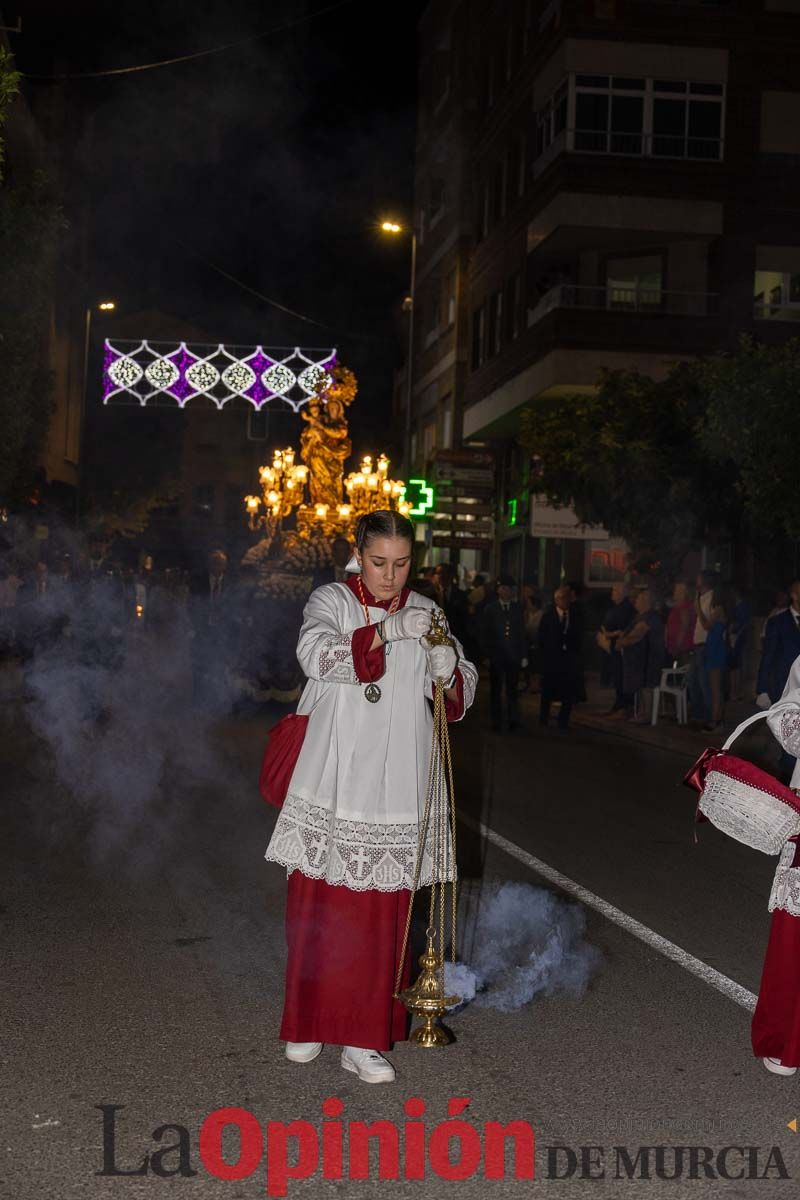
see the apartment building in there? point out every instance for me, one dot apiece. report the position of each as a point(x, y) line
point(628, 196)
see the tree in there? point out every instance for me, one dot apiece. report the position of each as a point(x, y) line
point(752, 428)
point(9, 86)
point(628, 456)
point(29, 228)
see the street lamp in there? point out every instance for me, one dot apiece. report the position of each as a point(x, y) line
point(394, 228)
point(105, 306)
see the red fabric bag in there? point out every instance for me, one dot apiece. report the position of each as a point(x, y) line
point(743, 801)
point(280, 757)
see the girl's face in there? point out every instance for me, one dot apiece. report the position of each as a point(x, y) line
point(385, 564)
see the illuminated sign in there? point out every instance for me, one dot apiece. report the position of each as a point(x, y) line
point(420, 494)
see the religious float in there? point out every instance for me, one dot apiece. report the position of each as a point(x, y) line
point(305, 504)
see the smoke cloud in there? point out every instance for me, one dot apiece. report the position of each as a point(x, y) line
point(125, 748)
point(518, 942)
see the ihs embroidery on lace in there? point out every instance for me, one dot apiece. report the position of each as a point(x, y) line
point(790, 732)
point(353, 854)
point(336, 660)
point(785, 894)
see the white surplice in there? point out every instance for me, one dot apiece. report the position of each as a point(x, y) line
point(358, 790)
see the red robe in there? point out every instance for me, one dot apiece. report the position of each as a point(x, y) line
point(776, 1021)
point(344, 946)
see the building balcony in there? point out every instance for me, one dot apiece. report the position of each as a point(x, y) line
point(629, 145)
point(576, 332)
point(653, 301)
point(776, 312)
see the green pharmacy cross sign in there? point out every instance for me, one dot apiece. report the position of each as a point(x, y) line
point(420, 496)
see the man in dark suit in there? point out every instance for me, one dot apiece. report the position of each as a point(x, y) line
point(559, 653)
point(781, 648)
point(213, 611)
point(453, 602)
point(503, 643)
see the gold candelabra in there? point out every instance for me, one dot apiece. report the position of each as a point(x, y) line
point(370, 487)
point(282, 487)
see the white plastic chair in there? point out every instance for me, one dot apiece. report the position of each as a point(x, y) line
point(673, 683)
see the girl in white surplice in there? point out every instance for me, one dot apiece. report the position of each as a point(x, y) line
point(348, 830)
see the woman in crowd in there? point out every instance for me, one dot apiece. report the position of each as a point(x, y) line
point(717, 656)
point(642, 648)
point(679, 635)
point(739, 634)
point(348, 830)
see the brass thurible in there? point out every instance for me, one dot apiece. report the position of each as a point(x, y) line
point(426, 997)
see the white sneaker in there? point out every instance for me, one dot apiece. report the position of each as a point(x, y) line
point(368, 1065)
point(303, 1052)
point(776, 1066)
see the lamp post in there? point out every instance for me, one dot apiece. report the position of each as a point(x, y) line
point(105, 306)
point(394, 228)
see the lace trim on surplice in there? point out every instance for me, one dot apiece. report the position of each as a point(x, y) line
point(353, 854)
point(785, 893)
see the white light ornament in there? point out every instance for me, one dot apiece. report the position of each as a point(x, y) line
point(161, 373)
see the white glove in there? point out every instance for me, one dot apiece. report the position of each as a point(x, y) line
point(442, 661)
point(409, 622)
point(763, 700)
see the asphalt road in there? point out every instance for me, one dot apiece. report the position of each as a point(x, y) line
point(145, 971)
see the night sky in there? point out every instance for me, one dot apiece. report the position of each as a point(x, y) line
point(272, 160)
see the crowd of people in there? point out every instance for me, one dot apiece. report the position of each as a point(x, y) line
point(706, 633)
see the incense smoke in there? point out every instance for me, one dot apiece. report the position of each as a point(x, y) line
point(519, 941)
point(131, 756)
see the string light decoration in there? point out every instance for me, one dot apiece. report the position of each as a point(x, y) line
point(166, 373)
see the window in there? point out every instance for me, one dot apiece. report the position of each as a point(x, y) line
point(687, 119)
point(780, 123)
point(437, 199)
point(478, 336)
point(515, 170)
point(428, 440)
point(512, 307)
point(483, 212)
point(551, 120)
point(614, 114)
point(498, 195)
point(431, 317)
point(634, 283)
point(510, 51)
point(450, 298)
point(495, 323)
point(776, 295)
point(490, 81)
point(204, 500)
point(447, 422)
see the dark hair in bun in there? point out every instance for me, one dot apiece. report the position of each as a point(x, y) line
point(383, 523)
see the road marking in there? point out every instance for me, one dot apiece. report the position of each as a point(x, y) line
point(734, 991)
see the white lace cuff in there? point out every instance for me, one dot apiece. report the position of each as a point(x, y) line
point(335, 659)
